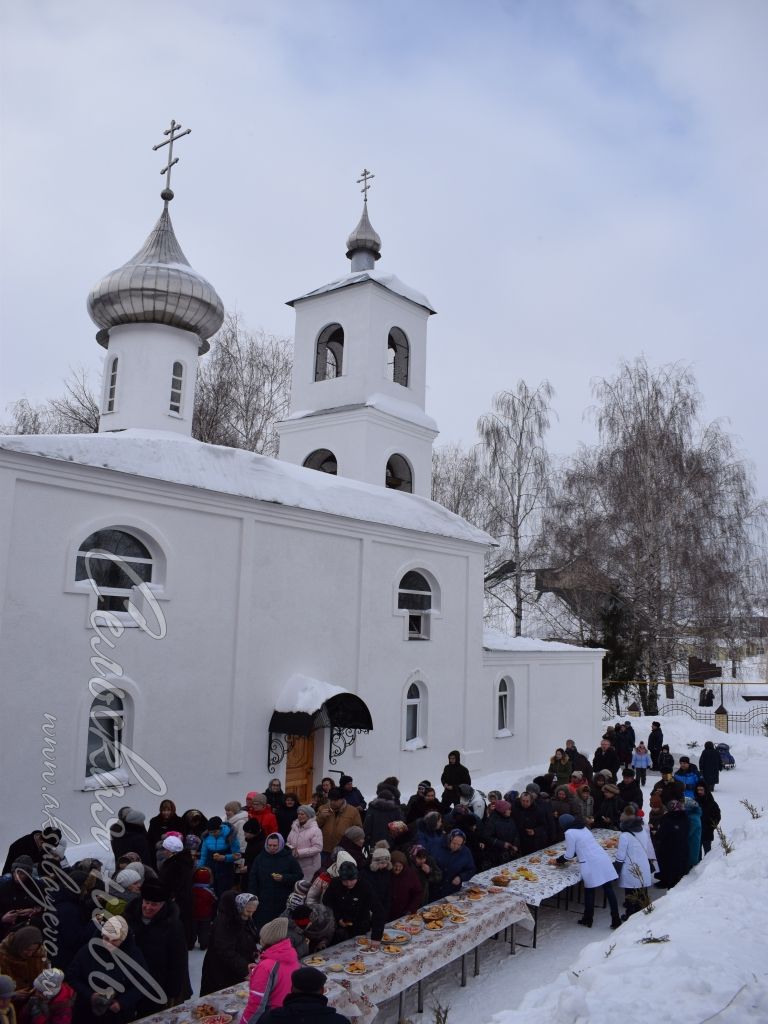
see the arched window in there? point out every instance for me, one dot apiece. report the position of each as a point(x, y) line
point(106, 729)
point(414, 595)
point(109, 405)
point(329, 355)
point(177, 378)
point(114, 562)
point(413, 714)
point(505, 707)
point(322, 459)
point(399, 475)
point(398, 353)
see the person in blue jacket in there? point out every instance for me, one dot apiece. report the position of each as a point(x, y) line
point(219, 851)
point(455, 861)
point(688, 775)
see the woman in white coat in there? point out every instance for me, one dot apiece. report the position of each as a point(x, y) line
point(306, 841)
point(635, 861)
point(595, 865)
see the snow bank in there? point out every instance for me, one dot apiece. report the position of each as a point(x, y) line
point(162, 455)
point(493, 640)
point(302, 693)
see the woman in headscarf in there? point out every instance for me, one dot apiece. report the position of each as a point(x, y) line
point(23, 957)
point(273, 875)
point(166, 820)
point(455, 774)
point(455, 861)
point(232, 945)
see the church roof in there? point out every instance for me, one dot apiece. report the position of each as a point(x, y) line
point(157, 286)
point(388, 281)
point(494, 640)
point(161, 455)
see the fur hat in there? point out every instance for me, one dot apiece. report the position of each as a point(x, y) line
point(397, 827)
point(48, 982)
point(133, 817)
point(273, 931)
point(610, 790)
point(154, 891)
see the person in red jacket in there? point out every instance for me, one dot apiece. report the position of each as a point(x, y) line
point(406, 891)
point(52, 1000)
point(203, 907)
point(259, 810)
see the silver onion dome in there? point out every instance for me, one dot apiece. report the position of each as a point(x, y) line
point(364, 244)
point(157, 286)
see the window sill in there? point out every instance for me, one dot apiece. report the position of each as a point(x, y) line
point(502, 734)
point(106, 780)
point(415, 744)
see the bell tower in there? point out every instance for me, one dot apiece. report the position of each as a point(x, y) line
point(359, 374)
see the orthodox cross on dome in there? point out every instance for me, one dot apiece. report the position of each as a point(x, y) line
point(173, 133)
point(365, 178)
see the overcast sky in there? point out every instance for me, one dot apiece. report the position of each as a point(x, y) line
point(570, 183)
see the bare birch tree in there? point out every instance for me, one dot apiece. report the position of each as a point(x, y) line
point(517, 468)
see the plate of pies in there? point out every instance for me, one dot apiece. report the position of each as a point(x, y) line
point(356, 967)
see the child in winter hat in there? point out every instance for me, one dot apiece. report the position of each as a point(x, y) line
point(52, 998)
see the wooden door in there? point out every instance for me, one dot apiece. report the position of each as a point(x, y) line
point(298, 769)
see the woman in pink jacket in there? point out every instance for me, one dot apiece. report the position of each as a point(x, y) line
point(306, 841)
point(270, 980)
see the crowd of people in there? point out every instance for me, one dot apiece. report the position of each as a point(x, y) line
point(274, 879)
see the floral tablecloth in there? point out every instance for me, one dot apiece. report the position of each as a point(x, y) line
point(550, 879)
point(386, 975)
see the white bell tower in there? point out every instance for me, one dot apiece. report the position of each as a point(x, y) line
point(359, 375)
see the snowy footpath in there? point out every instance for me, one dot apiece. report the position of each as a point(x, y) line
point(712, 965)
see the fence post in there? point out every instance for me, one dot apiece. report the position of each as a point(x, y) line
point(721, 719)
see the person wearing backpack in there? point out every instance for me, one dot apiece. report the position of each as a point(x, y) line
point(270, 978)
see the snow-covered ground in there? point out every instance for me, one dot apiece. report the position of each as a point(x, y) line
point(714, 966)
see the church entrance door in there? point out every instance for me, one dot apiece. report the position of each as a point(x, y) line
point(298, 769)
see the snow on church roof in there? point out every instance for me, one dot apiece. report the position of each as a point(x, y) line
point(493, 640)
point(384, 403)
point(305, 694)
point(388, 281)
point(161, 455)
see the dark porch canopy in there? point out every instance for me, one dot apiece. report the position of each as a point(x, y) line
point(340, 712)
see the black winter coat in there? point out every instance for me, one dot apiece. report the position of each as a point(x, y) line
point(176, 875)
point(710, 816)
point(133, 840)
point(304, 1008)
point(531, 819)
point(610, 809)
point(231, 948)
point(454, 775)
point(163, 942)
point(631, 792)
point(671, 845)
point(606, 759)
point(360, 905)
point(499, 830)
point(655, 740)
point(102, 962)
point(379, 814)
point(666, 763)
point(273, 895)
point(381, 883)
point(709, 766)
point(158, 826)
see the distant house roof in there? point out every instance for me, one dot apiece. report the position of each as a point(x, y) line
point(161, 455)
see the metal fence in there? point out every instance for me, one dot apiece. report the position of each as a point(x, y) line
point(752, 722)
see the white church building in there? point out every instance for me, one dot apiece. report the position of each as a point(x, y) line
point(185, 618)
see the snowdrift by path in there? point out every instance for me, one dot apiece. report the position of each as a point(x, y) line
point(715, 959)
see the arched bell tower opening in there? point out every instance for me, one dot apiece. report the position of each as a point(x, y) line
point(323, 460)
point(329, 355)
point(399, 475)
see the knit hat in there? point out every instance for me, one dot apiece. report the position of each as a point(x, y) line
point(154, 891)
point(173, 844)
point(273, 931)
point(258, 799)
point(425, 784)
point(606, 773)
point(115, 930)
point(306, 809)
point(7, 986)
point(347, 871)
point(308, 980)
point(127, 877)
point(381, 857)
point(133, 817)
point(533, 789)
point(398, 857)
point(354, 833)
point(566, 821)
point(243, 899)
point(48, 982)
point(279, 838)
point(214, 823)
point(502, 806)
